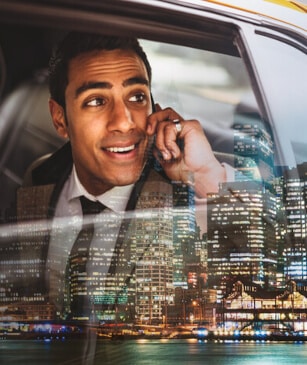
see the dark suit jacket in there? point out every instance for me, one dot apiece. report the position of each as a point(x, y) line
point(36, 204)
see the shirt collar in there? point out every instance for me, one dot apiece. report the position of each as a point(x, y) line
point(115, 199)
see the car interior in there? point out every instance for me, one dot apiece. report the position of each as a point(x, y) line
point(210, 84)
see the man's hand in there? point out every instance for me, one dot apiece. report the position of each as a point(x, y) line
point(194, 162)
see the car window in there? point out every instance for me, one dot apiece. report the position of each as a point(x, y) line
point(156, 258)
point(202, 85)
point(277, 85)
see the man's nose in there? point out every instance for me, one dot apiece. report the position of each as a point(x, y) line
point(121, 118)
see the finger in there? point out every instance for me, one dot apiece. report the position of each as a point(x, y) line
point(166, 140)
point(160, 115)
point(165, 163)
point(150, 129)
point(178, 126)
point(158, 107)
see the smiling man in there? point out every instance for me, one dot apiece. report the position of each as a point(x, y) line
point(101, 103)
point(107, 102)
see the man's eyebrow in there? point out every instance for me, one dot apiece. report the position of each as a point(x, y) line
point(136, 80)
point(92, 85)
point(107, 85)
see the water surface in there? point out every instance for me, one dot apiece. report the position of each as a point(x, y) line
point(154, 352)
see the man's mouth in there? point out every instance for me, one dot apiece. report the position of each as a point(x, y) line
point(121, 149)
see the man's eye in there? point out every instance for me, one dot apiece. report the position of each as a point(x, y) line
point(95, 102)
point(138, 98)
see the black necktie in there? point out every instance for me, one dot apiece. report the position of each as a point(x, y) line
point(91, 207)
point(80, 302)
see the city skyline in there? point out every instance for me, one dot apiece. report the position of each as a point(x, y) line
point(152, 265)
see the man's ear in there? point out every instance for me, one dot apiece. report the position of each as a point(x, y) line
point(58, 118)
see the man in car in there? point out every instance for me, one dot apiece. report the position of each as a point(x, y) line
point(101, 102)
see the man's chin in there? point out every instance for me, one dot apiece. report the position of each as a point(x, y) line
point(128, 181)
point(125, 177)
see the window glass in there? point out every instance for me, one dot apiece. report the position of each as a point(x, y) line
point(284, 81)
point(167, 252)
point(203, 85)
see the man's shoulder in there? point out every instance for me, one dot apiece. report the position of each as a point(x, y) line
point(49, 169)
point(42, 184)
point(33, 202)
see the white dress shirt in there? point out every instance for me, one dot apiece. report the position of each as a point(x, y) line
point(67, 223)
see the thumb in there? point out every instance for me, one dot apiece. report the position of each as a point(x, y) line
point(150, 127)
point(158, 107)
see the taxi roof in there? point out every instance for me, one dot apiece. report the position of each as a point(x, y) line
point(289, 12)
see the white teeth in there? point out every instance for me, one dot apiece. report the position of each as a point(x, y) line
point(121, 149)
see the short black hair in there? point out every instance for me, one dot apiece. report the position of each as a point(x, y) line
point(76, 43)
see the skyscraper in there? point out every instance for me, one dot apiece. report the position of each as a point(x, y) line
point(241, 235)
point(184, 232)
point(295, 203)
point(253, 149)
point(152, 250)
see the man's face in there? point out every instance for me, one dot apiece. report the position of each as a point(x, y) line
point(107, 104)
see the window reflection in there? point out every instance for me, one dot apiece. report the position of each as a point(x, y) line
point(166, 268)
